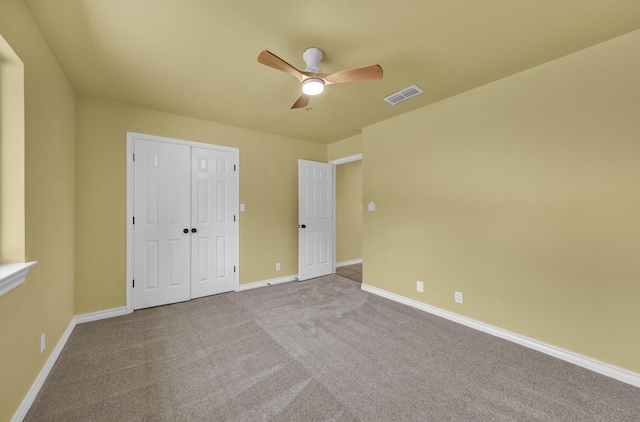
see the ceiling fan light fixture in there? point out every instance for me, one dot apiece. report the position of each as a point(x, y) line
point(313, 86)
point(313, 79)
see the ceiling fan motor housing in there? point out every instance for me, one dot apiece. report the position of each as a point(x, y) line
point(312, 57)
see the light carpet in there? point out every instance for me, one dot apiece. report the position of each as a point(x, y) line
point(313, 351)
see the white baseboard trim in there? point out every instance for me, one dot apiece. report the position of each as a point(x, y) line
point(44, 373)
point(95, 316)
point(265, 283)
point(350, 262)
point(42, 376)
point(602, 368)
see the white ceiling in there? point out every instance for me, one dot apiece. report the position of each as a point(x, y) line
point(198, 57)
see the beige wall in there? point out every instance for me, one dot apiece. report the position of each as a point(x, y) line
point(524, 195)
point(268, 188)
point(44, 303)
point(345, 148)
point(348, 213)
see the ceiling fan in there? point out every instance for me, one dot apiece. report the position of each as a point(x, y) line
point(312, 78)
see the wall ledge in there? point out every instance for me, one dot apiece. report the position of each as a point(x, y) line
point(14, 274)
point(602, 368)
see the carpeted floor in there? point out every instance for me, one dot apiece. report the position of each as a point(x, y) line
point(311, 351)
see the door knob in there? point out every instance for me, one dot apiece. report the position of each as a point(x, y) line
point(193, 230)
point(185, 231)
point(303, 226)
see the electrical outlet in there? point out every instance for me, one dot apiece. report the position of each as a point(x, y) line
point(42, 343)
point(278, 266)
point(458, 297)
point(420, 286)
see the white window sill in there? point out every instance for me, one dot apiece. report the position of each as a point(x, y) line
point(12, 275)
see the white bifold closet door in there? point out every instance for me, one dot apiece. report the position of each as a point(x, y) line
point(185, 233)
point(213, 245)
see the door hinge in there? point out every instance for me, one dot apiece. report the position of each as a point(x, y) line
point(134, 157)
point(134, 220)
point(234, 167)
point(234, 268)
point(234, 218)
point(134, 283)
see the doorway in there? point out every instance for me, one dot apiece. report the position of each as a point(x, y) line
point(349, 213)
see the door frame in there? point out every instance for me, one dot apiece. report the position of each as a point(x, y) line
point(337, 162)
point(130, 204)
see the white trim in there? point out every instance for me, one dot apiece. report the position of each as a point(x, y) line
point(130, 234)
point(130, 188)
point(606, 369)
point(96, 316)
point(14, 274)
point(335, 214)
point(350, 262)
point(42, 376)
point(345, 160)
point(266, 283)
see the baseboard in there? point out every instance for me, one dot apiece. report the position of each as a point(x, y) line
point(350, 262)
point(266, 283)
point(602, 368)
point(95, 316)
point(44, 373)
point(42, 376)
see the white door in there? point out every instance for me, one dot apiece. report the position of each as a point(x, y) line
point(185, 233)
point(315, 216)
point(213, 218)
point(162, 180)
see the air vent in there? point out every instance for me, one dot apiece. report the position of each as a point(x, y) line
point(403, 95)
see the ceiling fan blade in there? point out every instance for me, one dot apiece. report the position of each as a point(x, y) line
point(301, 102)
point(267, 58)
point(359, 74)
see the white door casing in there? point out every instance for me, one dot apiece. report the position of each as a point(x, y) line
point(180, 185)
point(162, 205)
point(315, 219)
